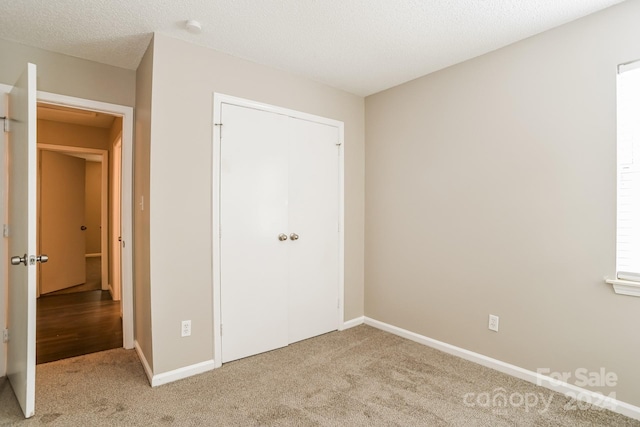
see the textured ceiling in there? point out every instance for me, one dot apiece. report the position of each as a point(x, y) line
point(361, 46)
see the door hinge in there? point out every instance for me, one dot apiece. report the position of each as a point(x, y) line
point(219, 125)
point(338, 303)
point(6, 123)
point(5, 335)
point(221, 329)
point(5, 230)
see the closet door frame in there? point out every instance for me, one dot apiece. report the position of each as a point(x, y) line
point(218, 127)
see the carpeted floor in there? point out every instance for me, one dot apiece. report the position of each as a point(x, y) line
point(359, 377)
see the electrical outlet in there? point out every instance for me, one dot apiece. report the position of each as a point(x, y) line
point(186, 328)
point(5, 335)
point(494, 322)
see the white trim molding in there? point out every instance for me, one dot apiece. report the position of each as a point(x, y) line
point(176, 374)
point(181, 373)
point(352, 323)
point(625, 287)
point(623, 68)
point(562, 387)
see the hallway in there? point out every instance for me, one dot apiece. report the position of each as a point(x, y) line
point(75, 324)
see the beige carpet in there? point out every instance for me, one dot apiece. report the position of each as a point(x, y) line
point(360, 377)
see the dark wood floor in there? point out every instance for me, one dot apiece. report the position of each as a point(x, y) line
point(75, 324)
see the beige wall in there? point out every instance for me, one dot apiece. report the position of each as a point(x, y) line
point(92, 201)
point(185, 76)
point(491, 188)
point(142, 146)
point(67, 75)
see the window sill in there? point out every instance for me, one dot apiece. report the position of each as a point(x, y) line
point(625, 287)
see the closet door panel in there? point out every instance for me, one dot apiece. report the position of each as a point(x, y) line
point(254, 211)
point(313, 216)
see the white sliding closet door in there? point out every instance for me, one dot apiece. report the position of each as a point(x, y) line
point(253, 198)
point(279, 177)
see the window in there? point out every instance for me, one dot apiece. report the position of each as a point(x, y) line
point(628, 205)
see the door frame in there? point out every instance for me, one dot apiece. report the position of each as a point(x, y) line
point(218, 100)
point(104, 212)
point(127, 195)
point(4, 211)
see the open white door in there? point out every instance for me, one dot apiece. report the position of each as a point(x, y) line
point(21, 354)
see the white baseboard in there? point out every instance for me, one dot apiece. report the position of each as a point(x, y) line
point(181, 373)
point(567, 389)
point(352, 323)
point(171, 376)
point(143, 360)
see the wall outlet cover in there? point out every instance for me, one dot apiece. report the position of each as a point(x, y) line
point(186, 328)
point(494, 322)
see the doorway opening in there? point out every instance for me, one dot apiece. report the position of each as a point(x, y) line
point(79, 308)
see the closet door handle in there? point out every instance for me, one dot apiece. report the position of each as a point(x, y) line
point(294, 236)
point(282, 237)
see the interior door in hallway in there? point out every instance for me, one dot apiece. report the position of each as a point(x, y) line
point(279, 201)
point(62, 207)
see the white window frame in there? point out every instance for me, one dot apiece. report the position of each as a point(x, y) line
point(627, 281)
